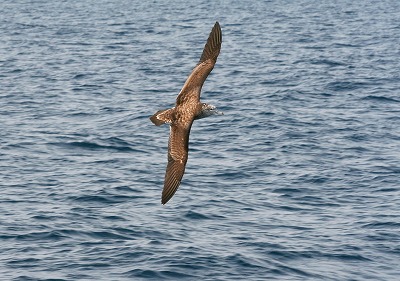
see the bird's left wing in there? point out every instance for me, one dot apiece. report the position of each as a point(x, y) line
point(178, 146)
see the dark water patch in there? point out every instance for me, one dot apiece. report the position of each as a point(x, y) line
point(94, 146)
point(388, 189)
point(345, 86)
point(115, 218)
point(82, 76)
point(192, 215)
point(107, 235)
point(380, 99)
point(28, 278)
point(344, 257)
point(104, 198)
point(318, 201)
point(327, 62)
point(289, 190)
point(40, 236)
point(46, 217)
point(243, 262)
point(143, 273)
point(24, 263)
point(382, 225)
point(346, 45)
point(286, 270)
point(175, 274)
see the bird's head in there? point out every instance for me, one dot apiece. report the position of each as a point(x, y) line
point(208, 110)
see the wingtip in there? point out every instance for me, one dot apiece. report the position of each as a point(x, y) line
point(213, 46)
point(164, 200)
point(166, 197)
point(217, 25)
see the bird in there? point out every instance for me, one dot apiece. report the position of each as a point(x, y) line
point(188, 108)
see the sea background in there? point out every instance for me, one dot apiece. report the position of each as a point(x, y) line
point(299, 180)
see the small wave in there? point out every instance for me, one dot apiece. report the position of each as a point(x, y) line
point(104, 198)
point(158, 275)
point(110, 144)
point(382, 225)
point(143, 273)
point(380, 99)
point(43, 235)
point(28, 278)
point(195, 215)
point(342, 86)
point(327, 62)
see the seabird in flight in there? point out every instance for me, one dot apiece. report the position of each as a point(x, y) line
point(187, 109)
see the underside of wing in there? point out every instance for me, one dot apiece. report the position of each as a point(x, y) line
point(173, 177)
point(177, 157)
point(213, 46)
point(191, 89)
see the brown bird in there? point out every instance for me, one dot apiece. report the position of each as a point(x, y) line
point(187, 109)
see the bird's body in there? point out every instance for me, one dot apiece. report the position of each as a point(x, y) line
point(187, 109)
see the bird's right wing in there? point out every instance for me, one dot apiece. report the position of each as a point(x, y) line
point(192, 87)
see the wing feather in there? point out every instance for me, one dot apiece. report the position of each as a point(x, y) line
point(178, 146)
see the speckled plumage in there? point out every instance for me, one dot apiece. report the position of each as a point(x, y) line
point(187, 109)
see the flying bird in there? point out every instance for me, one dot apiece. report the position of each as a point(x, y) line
point(187, 109)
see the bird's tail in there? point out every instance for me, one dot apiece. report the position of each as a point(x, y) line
point(162, 117)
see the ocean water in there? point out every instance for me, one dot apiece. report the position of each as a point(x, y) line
point(299, 180)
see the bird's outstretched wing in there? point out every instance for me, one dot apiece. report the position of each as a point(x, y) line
point(192, 87)
point(178, 145)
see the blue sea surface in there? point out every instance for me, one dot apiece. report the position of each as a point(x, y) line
point(299, 180)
